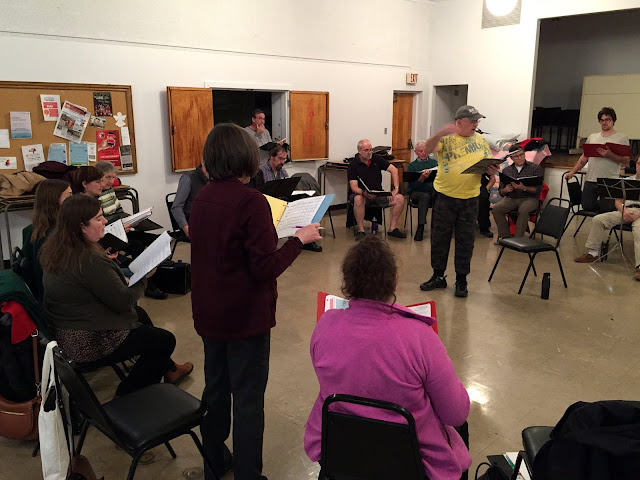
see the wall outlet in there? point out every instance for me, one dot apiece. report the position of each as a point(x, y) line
point(385, 130)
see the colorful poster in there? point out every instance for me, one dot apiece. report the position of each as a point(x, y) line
point(50, 107)
point(78, 154)
point(108, 146)
point(57, 153)
point(97, 122)
point(72, 122)
point(9, 163)
point(91, 151)
point(21, 125)
point(126, 157)
point(4, 138)
point(102, 104)
point(32, 155)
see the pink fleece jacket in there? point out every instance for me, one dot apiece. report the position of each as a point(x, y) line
point(386, 352)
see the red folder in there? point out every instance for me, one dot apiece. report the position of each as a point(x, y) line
point(322, 297)
point(591, 149)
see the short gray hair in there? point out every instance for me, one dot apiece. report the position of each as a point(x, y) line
point(420, 142)
point(361, 143)
point(106, 167)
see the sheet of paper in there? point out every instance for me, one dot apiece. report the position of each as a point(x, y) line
point(298, 213)
point(124, 136)
point(91, 151)
point(8, 163)
point(136, 218)
point(32, 155)
point(311, 193)
point(126, 159)
point(117, 230)
point(72, 122)
point(277, 208)
point(335, 302)
point(424, 310)
point(153, 255)
point(97, 122)
point(4, 138)
point(20, 125)
point(57, 153)
point(511, 457)
point(78, 153)
point(50, 107)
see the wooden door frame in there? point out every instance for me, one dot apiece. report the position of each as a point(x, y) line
point(414, 114)
point(326, 150)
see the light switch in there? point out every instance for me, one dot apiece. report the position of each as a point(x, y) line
point(385, 130)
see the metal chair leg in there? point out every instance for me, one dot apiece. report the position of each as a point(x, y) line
point(170, 448)
point(569, 223)
point(561, 270)
point(205, 457)
point(533, 267)
point(36, 449)
point(384, 223)
point(173, 249)
point(134, 465)
point(516, 468)
point(331, 221)
point(406, 214)
point(531, 260)
point(496, 264)
point(583, 220)
point(83, 435)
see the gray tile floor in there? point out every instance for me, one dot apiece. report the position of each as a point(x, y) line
point(524, 360)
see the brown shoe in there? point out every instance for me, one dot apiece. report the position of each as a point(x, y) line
point(586, 258)
point(637, 274)
point(178, 373)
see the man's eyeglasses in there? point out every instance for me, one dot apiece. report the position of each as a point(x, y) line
point(605, 120)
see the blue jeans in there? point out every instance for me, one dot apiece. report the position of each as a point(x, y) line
point(240, 370)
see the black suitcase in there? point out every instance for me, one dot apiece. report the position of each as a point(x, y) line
point(173, 277)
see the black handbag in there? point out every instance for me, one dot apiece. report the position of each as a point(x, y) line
point(173, 277)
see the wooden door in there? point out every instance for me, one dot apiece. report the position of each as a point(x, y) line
point(190, 121)
point(401, 145)
point(309, 125)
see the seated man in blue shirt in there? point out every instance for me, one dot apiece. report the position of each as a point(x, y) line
point(421, 190)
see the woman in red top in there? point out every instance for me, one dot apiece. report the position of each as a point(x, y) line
point(235, 263)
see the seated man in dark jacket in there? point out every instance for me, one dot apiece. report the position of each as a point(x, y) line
point(188, 187)
point(421, 190)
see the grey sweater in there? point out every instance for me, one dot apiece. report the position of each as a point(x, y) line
point(95, 298)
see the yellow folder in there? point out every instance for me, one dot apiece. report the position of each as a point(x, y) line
point(277, 208)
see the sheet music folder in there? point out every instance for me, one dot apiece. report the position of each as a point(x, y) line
point(480, 167)
point(282, 188)
point(526, 181)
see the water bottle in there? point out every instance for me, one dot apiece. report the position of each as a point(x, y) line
point(374, 226)
point(546, 284)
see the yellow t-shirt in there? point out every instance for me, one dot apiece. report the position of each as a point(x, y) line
point(455, 155)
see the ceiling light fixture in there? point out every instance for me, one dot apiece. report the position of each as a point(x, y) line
point(500, 8)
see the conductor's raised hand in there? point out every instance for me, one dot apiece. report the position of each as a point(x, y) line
point(447, 129)
point(309, 234)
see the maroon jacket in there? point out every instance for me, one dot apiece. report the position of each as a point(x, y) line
point(235, 261)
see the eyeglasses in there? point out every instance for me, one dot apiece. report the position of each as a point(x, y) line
point(605, 120)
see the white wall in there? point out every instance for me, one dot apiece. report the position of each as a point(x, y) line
point(497, 63)
point(358, 51)
point(445, 104)
point(574, 47)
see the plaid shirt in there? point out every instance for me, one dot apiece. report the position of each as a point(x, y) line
point(268, 174)
point(529, 169)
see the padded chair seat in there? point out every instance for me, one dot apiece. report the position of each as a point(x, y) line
point(180, 236)
point(533, 438)
point(526, 244)
point(625, 226)
point(136, 415)
point(587, 213)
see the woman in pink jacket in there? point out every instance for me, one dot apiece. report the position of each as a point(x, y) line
point(376, 349)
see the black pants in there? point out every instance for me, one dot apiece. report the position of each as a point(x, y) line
point(592, 201)
point(240, 370)
point(453, 215)
point(154, 347)
point(484, 207)
point(422, 199)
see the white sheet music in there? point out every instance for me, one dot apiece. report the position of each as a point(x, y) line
point(154, 254)
point(424, 310)
point(136, 218)
point(117, 230)
point(298, 214)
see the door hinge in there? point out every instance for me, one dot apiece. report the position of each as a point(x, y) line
point(326, 125)
point(173, 130)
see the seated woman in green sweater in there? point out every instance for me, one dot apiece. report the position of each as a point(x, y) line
point(49, 196)
point(93, 310)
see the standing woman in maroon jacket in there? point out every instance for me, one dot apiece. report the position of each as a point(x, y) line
point(235, 263)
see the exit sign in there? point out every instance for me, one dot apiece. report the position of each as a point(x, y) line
point(412, 78)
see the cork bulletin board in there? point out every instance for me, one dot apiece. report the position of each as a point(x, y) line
point(25, 97)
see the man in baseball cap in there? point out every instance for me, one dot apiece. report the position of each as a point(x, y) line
point(456, 205)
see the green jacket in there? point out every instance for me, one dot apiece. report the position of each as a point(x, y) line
point(94, 298)
point(417, 166)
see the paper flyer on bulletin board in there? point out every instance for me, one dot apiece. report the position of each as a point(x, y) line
point(72, 122)
point(50, 107)
point(108, 146)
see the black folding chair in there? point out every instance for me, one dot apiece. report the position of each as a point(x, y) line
point(626, 227)
point(136, 422)
point(411, 205)
point(533, 439)
point(552, 223)
point(369, 449)
point(177, 234)
point(575, 202)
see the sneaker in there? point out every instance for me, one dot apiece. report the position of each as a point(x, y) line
point(586, 258)
point(433, 283)
point(461, 290)
point(637, 274)
point(419, 233)
point(178, 373)
point(486, 232)
point(396, 233)
point(313, 247)
point(359, 236)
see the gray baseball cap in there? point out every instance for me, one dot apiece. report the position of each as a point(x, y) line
point(467, 111)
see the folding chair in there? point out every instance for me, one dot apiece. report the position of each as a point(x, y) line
point(411, 205)
point(575, 202)
point(370, 212)
point(626, 227)
point(533, 439)
point(369, 449)
point(177, 234)
point(552, 223)
point(135, 422)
